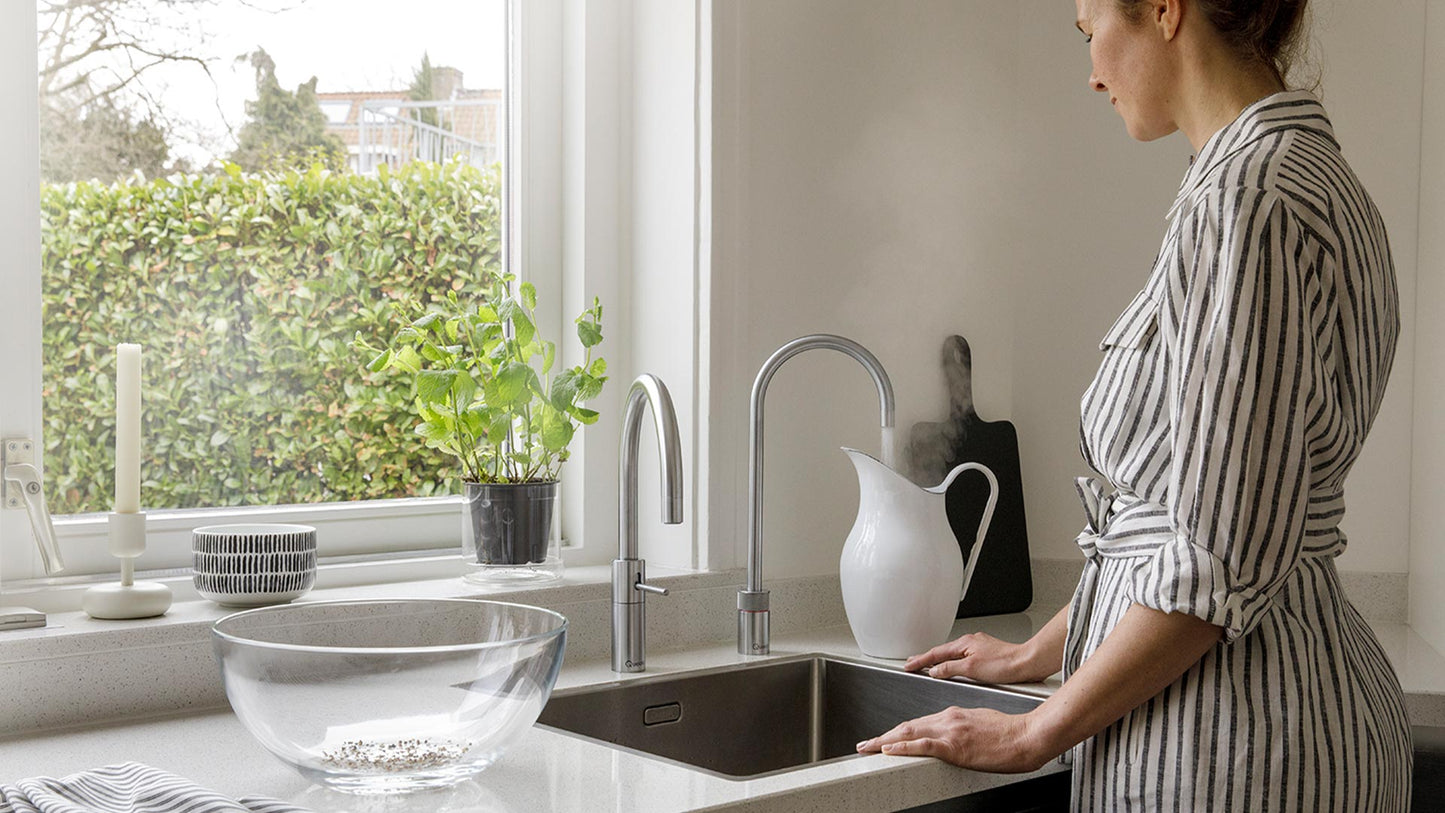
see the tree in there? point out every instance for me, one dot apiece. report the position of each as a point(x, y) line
point(103, 143)
point(97, 51)
point(98, 120)
point(285, 129)
point(423, 89)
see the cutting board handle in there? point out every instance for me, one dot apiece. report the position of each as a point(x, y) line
point(958, 374)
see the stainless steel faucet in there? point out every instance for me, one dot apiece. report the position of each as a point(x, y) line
point(754, 635)
point(629, 579)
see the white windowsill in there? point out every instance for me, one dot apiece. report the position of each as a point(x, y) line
point(62, 594)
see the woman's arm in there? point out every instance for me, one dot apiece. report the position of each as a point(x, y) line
point(979, 656)
point(1146, 652)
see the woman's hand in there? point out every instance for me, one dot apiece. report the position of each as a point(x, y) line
point(980, 656)
point(981, 739)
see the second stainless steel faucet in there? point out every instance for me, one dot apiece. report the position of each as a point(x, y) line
point(754, 616)
point(629, 579)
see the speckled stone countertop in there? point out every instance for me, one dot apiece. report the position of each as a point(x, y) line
point(545, 770)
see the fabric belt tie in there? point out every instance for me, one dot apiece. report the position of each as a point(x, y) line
point(1098, 504)
point(1141, 533)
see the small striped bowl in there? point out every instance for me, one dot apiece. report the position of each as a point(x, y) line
point(253, 565)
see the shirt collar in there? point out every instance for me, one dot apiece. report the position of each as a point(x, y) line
point(1287, 110)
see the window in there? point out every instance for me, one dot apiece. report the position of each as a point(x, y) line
point(607, 206)
point(240, 187)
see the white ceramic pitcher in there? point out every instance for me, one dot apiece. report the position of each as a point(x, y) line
point(902, 568)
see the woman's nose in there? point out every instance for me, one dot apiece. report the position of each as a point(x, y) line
point(1096, 84)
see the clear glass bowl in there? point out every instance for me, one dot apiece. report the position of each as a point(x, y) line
point(389, 695)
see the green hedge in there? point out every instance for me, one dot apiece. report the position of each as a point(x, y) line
point(245, 291)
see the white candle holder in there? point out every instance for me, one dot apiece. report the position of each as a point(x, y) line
point(129, 599)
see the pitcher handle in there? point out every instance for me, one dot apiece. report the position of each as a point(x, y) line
point(983, 523)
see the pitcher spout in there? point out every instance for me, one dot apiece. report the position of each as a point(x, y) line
point(867, 463)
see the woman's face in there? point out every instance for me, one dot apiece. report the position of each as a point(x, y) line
point(1129, 64)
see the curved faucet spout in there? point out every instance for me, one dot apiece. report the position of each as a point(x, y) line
point(629, 576)
point(647, 389)
point(753, 635)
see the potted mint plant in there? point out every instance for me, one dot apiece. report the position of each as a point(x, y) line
point(484, 391)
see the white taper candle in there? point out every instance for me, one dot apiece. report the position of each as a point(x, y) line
point(127, 428)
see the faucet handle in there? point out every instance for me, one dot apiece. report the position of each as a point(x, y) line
point(650, 588)
point(18, 464)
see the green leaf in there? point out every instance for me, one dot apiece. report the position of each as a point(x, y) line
point(435, 431)
point(588, 387)
point(556, 431)
point(564, 390)
point(437, 354)
point(464, 388)
point(507, 308)
point(499, 428)
point(589, 333)
point(474, 421)
point(433, 386)
point(509, 388)
point(523, 327)
point(407, 359)
point(380, 362)
point(529, 296)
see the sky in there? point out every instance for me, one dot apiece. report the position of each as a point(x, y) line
point(346, 44)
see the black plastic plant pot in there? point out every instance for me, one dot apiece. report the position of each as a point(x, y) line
point(508, 523)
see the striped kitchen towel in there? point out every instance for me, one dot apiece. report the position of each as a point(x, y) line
point(126, 788)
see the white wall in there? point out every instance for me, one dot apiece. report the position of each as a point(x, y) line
point(862, 166)
point(1372, 55)
point(1427, 529)
point(899, 172)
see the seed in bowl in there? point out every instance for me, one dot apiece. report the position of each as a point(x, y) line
point(396, 757)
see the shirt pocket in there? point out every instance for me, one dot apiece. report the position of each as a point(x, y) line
point(1135, 326)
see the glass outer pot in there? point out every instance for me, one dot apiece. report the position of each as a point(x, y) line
point(509, 533)
point(389, 695)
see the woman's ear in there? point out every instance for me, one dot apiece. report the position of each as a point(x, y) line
point(1166, 16)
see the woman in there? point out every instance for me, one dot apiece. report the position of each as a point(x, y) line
point(1211, 659)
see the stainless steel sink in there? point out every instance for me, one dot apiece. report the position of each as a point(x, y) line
point(748, 720)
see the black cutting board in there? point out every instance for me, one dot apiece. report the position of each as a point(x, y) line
point(1002, 579)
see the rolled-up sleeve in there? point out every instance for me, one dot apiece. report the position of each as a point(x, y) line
point(1243, 389)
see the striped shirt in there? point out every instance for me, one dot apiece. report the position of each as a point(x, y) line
point(1233, 397)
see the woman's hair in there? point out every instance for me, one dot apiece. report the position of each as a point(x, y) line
point(1270, 31)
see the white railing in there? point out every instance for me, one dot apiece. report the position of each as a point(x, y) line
point(394, 132)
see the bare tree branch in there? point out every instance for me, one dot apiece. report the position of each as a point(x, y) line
point(80, 41)
point(109, 59)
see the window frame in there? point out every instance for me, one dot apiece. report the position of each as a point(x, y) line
point(534, 189)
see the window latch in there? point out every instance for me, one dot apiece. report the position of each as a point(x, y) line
point(23, 489)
